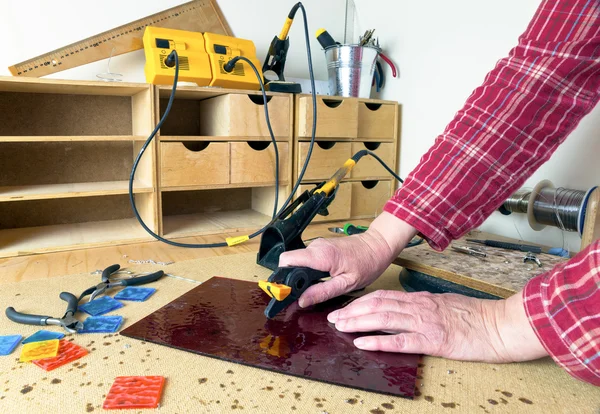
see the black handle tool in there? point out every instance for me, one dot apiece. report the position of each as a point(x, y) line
point(107, 283)
point(508, 246)
point(68, 321)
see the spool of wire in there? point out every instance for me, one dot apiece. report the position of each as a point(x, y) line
point(558, 207)
point(517, 203)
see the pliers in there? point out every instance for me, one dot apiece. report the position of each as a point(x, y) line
point(68, 321)
point(108, 284)
point(286, 285)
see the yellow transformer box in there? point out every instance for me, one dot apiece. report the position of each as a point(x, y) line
point(201, 58)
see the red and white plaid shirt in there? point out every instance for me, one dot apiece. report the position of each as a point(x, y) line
point(509, 126)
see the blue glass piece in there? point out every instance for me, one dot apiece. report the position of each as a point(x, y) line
point(98, 324)
point(138, 294)
point(43, 336)
point(100, 306)
point(8, 343)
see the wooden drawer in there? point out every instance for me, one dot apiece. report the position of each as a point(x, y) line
point(194, 163)
point(254, 162)
point(339, 209)
point(376, 121)
point(369, 197)
point(336, 118)
point(243, 115)
point(369, 167)
point(325, 160)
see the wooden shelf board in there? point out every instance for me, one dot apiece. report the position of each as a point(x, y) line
point(195, 92)
point(210, 223)
point(31, 240)
point(307, 139)
point(59, 86)
point(221, 186)
point(68, 138)
point(72, 190)
point(178, 138)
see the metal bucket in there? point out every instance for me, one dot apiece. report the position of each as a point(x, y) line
point(350, 70)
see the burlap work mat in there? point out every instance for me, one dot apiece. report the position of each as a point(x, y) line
point(198, 384)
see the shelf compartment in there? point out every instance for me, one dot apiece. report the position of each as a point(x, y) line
point(254, 163)
point(369, 197)
point(203, 212)
point(325, 160)
point(69, 190)
point(336, 117)
point(49, 163)
point(368, 168)
point(376, 121)
point(194, 163)
point(61, 224)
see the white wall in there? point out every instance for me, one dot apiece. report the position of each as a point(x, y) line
point(39, 26)
point(444, 49)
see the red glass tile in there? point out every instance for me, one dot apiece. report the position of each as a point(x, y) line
point(134, 392)
point(223, 318)
point(67, 352)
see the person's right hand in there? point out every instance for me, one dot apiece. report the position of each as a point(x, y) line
point(353, 262)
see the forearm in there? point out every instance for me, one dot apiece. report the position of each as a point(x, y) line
point(509, 126)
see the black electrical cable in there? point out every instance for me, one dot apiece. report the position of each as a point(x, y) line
point(356, 157)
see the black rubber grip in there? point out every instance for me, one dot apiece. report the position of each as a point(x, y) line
point(25, 318)
point(109, 271)
point(352, 230)
point(142, 280)
point(71, 300)
point(513, 246)
point(87, 292)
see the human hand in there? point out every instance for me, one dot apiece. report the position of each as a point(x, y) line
point(353, 262)
point(445, 325)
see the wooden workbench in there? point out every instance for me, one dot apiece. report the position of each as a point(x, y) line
point(199, 384)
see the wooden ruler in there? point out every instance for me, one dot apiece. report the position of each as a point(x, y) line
point(197, 16)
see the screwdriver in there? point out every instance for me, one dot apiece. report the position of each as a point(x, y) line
point(508, 246)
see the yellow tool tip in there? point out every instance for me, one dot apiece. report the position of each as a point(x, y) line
point(275, 290)
point(320, 32)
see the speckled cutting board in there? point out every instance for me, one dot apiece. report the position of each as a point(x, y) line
point(501, 273)
point(200, 384)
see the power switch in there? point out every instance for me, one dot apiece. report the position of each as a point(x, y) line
point(163, 44)
point(221, 50)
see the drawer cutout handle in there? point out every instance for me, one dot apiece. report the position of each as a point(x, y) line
point(258, 145)
point(258, 99)
point(196, 146)
point(372, 106)
point(332, 103)
point(371, 146)
point(326, 145)
point(369, 184)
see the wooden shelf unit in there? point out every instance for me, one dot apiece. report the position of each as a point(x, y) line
point(66, 150)
point(216, 159)
point(346, 126)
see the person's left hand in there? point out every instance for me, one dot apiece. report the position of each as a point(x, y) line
point(446, 325)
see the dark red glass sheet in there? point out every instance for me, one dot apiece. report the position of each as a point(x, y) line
point(223, 318)
point(134, 392)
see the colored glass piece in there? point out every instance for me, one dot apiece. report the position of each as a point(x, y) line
point(8, 343)
point(223, 318)
point(100, 306)
point(100, 324)
point(43, 336)
point(67, 352)
point(134, 392)
point(137, 294)
point(39, 350)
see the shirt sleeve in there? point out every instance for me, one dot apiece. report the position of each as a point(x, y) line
point(509, 126)
point(563, 307)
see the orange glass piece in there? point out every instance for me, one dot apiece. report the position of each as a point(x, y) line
point(134, 392)
point(67, 352)
point(39, 350)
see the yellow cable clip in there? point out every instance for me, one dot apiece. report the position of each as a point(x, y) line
point(232, 241)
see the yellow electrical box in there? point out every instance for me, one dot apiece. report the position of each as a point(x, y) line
point(201, 58)
point(194, 65)
point(221, 49)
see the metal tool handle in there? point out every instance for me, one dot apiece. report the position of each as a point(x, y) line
point(25, 318)
point(351, 229)
point(514, 246)
point(72, 302)
point(142, 280)
point(109, 271)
